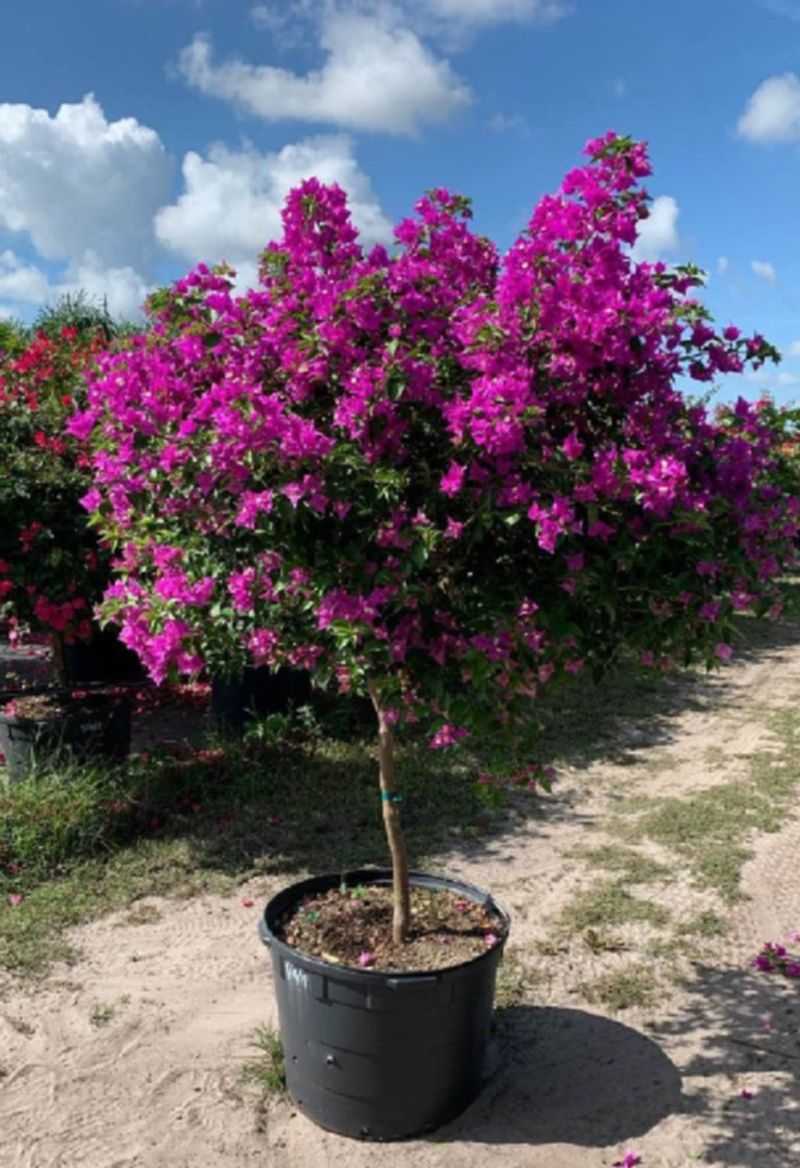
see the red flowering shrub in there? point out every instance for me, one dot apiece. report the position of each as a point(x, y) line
point(51, 569)
point(436, 475)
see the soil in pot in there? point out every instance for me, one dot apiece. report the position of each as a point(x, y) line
point(353, 926)
point(47, 729)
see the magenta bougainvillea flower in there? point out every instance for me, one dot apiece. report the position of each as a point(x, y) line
point(775, 958)
point(437, 465)
point(629, 1160)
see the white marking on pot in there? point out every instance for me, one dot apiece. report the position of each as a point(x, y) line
point(296, 977)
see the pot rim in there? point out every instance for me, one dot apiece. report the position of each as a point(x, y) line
point(70, 708)
point(289, 896)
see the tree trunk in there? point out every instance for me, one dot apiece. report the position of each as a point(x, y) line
point(59, 659)
point(392, 822)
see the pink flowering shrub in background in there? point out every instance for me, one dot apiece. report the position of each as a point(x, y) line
point(435, 474)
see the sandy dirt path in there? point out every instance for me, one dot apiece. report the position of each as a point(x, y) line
point(132, 1056)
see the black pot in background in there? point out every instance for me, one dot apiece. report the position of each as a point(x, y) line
point(98, 726)
point(381, 1055)
point(103, 658)
point(258, 692)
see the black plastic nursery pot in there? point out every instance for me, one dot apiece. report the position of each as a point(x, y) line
point(381, 1055)
point(258, 692)
point(98, 726)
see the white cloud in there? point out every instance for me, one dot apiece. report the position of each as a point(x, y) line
point(123, 289)
point(723, 263)
point(764, 270)
point(377, 75)
point(75, 182)
point(21, 281)
point(794, 349)
point(771, 379)
point(658, 233)
point(231, 207)
point(83, 191)
point(26, 284)
point(483, 12)
point(266, 17)
point(773, 111)
point(281, 18)
point(507, 123)
point(288, 22)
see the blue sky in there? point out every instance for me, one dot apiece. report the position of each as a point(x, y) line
point(138, 137)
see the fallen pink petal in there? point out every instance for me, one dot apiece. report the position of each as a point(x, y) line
point(15, 899)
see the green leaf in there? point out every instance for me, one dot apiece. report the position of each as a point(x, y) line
point(419, 555)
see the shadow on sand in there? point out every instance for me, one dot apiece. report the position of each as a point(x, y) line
point(723, 1021)
point(570, 1077)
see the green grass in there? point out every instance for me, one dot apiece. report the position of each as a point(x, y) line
point(267, 1067)
point(104, 1012)
point(600, 941)
point(32, 935)
point(49, 820)
point(634, 985)
point(709, 832)
point(608, 905)
point(711, 829)
point(142, 914)
point(515, 981)
point(632, 867)
point(705, 924)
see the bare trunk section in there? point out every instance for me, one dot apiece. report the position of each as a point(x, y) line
point(59, 659)
point(393, 824)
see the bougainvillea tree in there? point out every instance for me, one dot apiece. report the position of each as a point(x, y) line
point(52, 571)
point(433, 475)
